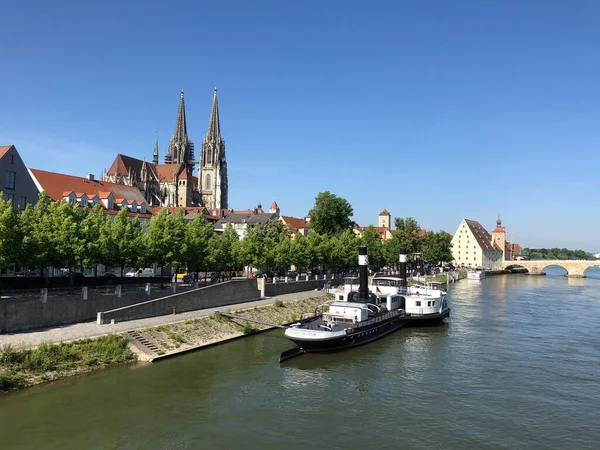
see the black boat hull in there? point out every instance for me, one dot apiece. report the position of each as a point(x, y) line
point(427, 320)
point(354, 336)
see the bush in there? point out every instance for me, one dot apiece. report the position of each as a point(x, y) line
point(279, 304)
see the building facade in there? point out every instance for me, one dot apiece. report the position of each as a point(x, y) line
point(173, 184)
point(473, 246)
point(18, 186)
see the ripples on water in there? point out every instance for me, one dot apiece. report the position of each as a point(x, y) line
point(516, 367)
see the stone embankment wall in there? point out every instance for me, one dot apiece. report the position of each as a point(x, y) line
point(273, 289)
point(222, 294)
point(21, 314)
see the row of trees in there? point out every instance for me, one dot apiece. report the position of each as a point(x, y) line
point(556, 253)
point(56, 234)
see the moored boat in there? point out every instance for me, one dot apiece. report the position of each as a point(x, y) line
point(353, 318)
point(476, 274)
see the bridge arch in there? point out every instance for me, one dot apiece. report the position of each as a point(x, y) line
point(592, 264)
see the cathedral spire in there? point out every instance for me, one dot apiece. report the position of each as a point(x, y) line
point(180, 125)
point(214, 125)
point(181, 148)
point(155, 154)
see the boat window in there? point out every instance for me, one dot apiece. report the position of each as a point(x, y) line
point(418, 303)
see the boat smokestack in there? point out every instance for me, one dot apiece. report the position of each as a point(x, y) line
point(403, 259)
point(363, 273)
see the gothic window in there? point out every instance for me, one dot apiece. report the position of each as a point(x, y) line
point(209, 156)
point(207, 180)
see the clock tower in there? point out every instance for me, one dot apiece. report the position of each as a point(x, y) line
point(499, 238)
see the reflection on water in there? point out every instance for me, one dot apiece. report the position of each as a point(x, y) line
point(515, 367)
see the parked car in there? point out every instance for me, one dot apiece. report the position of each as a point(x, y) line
point(141, 273)
point(292, 273)
point(109, 274)
point(75, 274)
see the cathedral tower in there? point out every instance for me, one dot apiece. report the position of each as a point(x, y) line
point(181, 148)
point(212, 167)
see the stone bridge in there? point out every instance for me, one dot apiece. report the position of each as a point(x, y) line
point(574, 268)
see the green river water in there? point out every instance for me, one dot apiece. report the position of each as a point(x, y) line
point(517, 366)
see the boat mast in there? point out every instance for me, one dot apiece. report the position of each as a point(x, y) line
point(363, 273)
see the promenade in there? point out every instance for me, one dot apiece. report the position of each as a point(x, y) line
point(90, 329)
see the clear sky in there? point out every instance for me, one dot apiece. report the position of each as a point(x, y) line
point(435, 110)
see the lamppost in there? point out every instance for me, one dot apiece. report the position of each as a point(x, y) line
point(417, 257)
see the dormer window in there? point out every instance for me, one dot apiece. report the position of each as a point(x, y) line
point(84, 200)
point(143, 208)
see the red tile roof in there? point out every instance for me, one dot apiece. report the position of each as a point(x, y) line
point(56, 183)
point(274, 205)
point(384, 213)
point(4, 149)
point(294, 223)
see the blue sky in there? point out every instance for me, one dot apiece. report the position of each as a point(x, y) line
point(434, 110)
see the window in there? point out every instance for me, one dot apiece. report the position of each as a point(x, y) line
point(9, 197)
point(10, 180)
point(418, 303)
point(22, 202)
point(12, 159)
point(207, 181)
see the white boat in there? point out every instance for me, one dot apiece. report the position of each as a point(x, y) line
point(424, 304)
point(476, 274)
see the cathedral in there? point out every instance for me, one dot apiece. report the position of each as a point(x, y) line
point(172, 183)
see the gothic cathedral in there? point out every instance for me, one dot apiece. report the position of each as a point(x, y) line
point(172, 183)
point(212, 167)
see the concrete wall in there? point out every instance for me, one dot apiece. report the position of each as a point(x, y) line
point(273, 289)
point(235, 291)
point(19, 314)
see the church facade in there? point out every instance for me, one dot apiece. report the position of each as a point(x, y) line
point(173, 184)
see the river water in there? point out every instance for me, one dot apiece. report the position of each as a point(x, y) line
point(517, 366)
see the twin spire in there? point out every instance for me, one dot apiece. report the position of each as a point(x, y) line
point(181, 148)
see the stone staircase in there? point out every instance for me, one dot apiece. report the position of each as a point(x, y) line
point(145, 344)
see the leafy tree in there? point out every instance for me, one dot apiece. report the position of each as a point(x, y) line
point(123, 239)
point(299, 252)
point(226, 249)
point(437, 247)
point(94, 246)
point(331, 214)
point(372, 239)
point(283, 253)
point(315, 248)
point(405, 235)
point(66, 237)
point(345, 250)
point(165, 239)
point(36, 223)
point(198, 235)
point(11, 234)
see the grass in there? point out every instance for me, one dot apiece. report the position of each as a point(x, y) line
point(21, 367)
point(279, 304)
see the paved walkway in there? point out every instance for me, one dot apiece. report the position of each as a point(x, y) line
point(91, 329)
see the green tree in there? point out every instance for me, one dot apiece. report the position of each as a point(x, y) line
point(437, 247)
point(299, 252)
point(66, 237)
point(124, 242)
point(372, 239)
point(346, 250)
point(198, 235)
point(11, 234)
point(165, 239)
point(226, 250)
point(331, 214)
point(36, 224)
point(315, 249)
point(406, 235)
point(283, 253)
point(94, 247)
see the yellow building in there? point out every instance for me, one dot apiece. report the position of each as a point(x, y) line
point(473, 246)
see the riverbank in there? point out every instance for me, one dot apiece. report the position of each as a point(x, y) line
point(23, 366)
point(167, 340)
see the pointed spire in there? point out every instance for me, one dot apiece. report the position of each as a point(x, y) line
point(155, 154)
point(214, 125)
point(180, 125)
